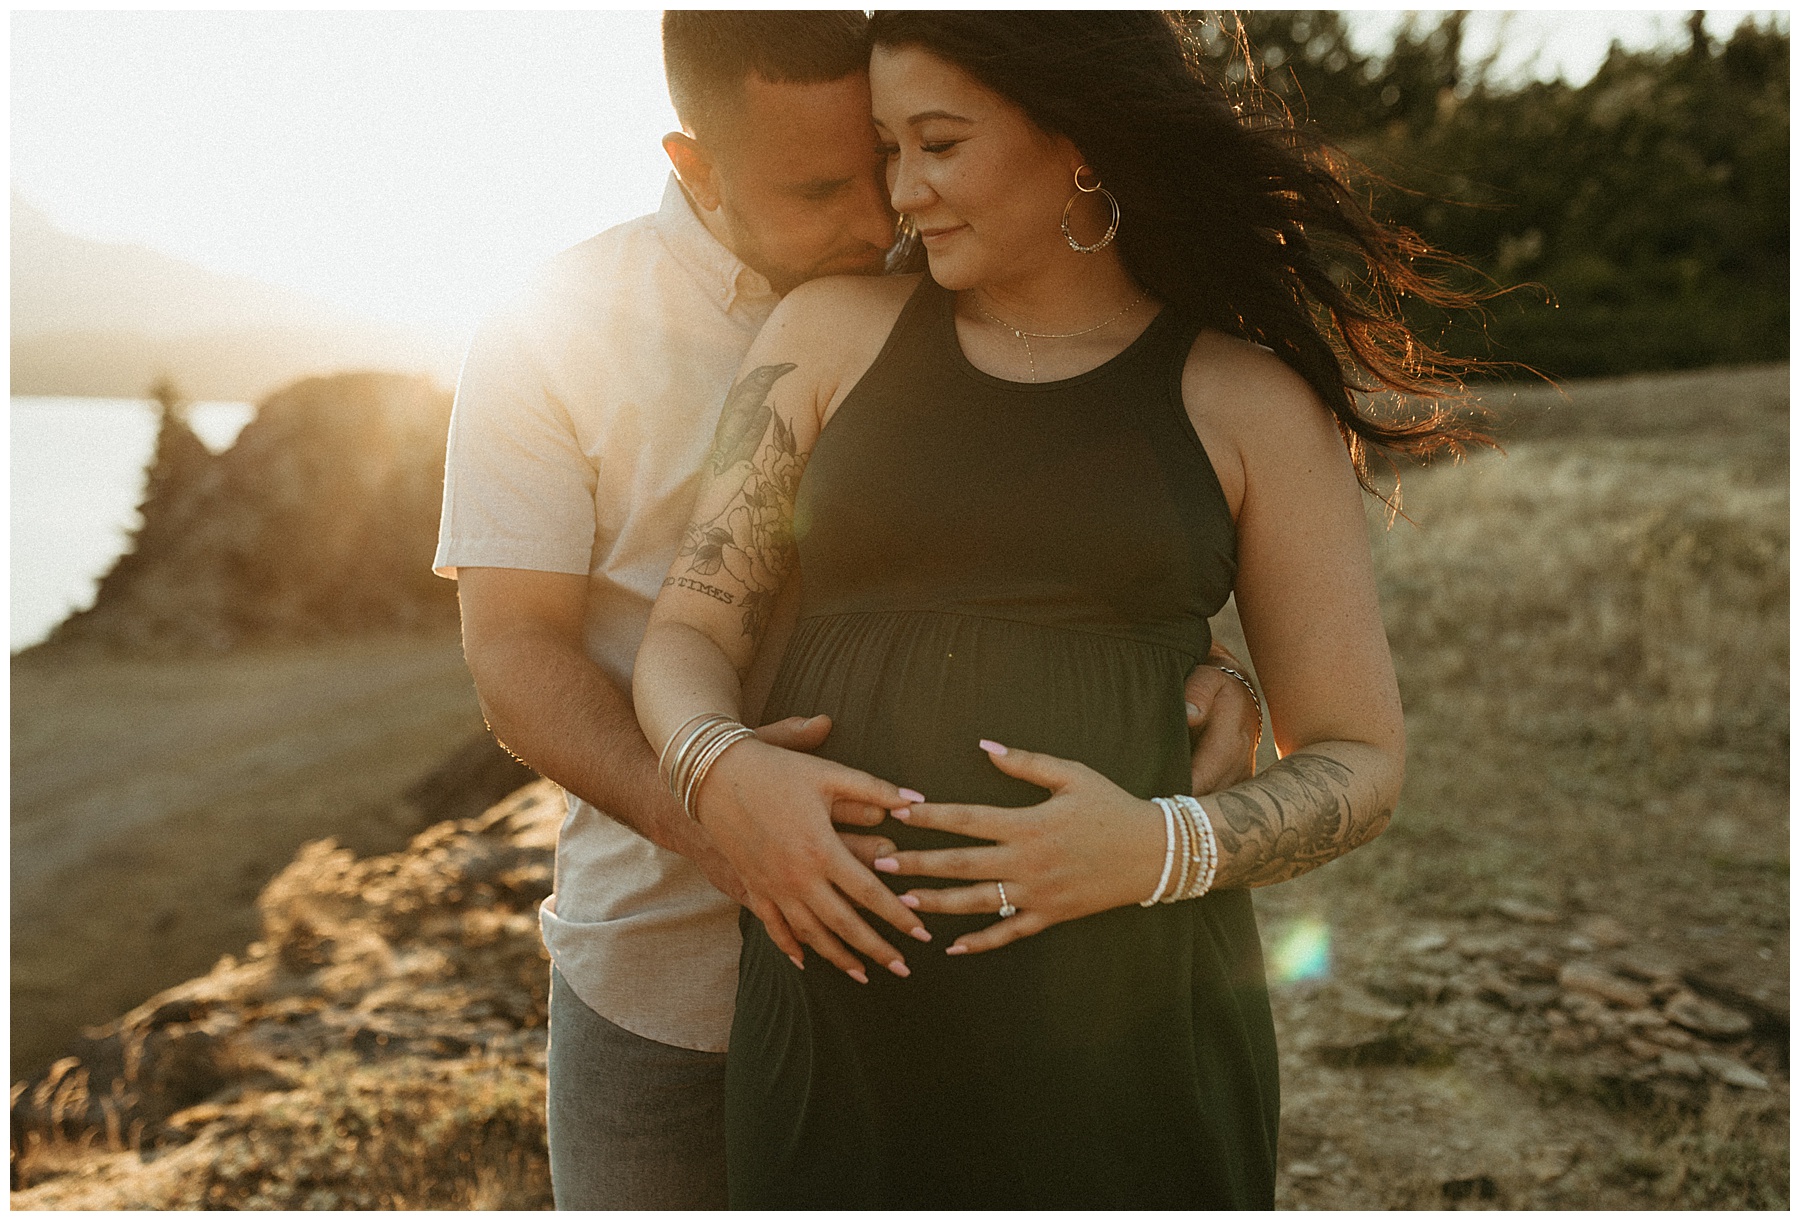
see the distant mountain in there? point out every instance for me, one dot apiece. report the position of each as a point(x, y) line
point(98, 318)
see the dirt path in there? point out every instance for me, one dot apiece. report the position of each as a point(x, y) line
point(152, 799)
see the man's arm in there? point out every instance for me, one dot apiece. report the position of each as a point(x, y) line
point(1224, 724)
point(549, 704)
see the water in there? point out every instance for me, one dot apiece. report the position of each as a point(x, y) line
point(78, 469)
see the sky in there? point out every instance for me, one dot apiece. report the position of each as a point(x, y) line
point(414, 166)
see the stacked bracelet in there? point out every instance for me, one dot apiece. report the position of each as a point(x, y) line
point(1186, 818)
point(1162, 883)
point(1185, 831)
point(1206, 856)
point(692, 750)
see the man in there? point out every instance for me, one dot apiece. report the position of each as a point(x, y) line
point(582, 418)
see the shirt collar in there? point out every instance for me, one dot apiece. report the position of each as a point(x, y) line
point(720, 272)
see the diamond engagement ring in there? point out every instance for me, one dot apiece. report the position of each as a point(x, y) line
point(1006, 908)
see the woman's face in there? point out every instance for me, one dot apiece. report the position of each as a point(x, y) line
point(985, 186)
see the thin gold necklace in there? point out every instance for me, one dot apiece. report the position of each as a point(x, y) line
point(1025, 337)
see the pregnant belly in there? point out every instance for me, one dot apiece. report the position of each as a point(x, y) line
point(911, 693)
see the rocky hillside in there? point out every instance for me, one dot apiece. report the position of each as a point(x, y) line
point(319, 521)
point(381, 1046)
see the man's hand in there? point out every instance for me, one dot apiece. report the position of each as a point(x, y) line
point(552, 706)
point(1224, 724)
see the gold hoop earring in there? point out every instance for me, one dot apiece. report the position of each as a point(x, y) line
point(1112, 202)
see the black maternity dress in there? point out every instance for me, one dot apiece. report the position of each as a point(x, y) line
point(1031, 563)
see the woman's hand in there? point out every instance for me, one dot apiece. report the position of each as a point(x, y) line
point(770, 812)
point(1090, 847)
point(801, 734)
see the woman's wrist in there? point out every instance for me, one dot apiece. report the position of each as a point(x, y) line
point(1190, 851)
point(692, 750)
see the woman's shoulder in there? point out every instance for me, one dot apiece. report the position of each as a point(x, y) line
point(835, 327)
point(1253, 412)
point(830, 304)
point(1231, 376)
point(1245, 390)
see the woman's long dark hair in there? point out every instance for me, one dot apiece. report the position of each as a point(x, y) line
point(1232, 213)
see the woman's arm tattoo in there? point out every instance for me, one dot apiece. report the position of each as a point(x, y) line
point(1292, 818)
point(750, 539)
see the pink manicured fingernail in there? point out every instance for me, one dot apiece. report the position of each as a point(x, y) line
point(912, 798)
point(902, 814)
point(899, 968)
point(887, 864)
point(796, 962)
point(909, 900)
point(858, 976)
point(993, 748)
point(957, 949)
point(919, 933)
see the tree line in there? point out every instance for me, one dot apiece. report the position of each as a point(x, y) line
point(1644, 214)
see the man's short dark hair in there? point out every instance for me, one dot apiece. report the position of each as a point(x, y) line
point(708, 54)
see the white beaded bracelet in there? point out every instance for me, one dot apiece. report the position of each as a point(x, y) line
point(1187, 833)
point(1209, 846)
point(1163, 804)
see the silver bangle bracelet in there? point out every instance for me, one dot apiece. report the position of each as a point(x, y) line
point(669, 762)
point(730, 736)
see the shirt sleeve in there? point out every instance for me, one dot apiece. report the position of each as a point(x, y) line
point(518, 485)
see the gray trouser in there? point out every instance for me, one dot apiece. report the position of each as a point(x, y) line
point(633, 1123)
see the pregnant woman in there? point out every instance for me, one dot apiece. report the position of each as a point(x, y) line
point(1017, 488)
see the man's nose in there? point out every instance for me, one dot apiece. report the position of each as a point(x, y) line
point(872, 220)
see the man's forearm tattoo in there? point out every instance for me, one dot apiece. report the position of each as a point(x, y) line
point(751, 539)
point(1291, 819)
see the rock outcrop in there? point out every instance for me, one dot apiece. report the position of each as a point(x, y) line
point(1527, 991)
point(319, 521)
point(381, 1045)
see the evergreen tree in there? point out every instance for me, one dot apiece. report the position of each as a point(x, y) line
point(1650, 204)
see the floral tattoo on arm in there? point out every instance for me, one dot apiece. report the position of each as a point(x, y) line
point(1291, 819)
point(750, 539)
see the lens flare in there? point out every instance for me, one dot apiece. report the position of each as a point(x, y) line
point(1302, 952)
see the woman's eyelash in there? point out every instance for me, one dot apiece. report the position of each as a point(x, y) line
point(893, 150)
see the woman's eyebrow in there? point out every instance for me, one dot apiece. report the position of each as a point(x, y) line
point(923, 115)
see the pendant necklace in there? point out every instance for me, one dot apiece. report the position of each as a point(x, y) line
point(1025, 337)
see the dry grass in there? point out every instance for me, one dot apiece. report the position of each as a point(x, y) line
point(400, 1134)
point(1591, 634)
point(1608, 594)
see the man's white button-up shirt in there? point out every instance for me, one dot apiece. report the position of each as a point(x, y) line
point(583, 415)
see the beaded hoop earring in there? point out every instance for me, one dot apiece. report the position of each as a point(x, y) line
point(1112, 229)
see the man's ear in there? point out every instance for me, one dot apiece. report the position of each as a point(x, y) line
point(694, 166)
